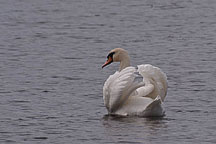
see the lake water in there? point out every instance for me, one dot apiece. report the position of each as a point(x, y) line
point(51, 53)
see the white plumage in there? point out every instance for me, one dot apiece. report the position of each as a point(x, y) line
point(124, 96)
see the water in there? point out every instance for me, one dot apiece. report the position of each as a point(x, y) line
point(51, 54)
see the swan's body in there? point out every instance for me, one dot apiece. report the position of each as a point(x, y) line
point(124, 96)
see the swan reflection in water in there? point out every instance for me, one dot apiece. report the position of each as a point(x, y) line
point(121, 129)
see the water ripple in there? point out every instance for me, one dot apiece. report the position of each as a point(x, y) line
point(51, 78)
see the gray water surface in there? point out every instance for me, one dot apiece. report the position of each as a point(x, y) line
point(51, 81)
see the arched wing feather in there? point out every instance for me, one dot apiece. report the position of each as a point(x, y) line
point(154, 76)
point(115, 86)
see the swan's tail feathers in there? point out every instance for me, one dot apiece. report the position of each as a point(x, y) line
point(149, 73)
point(154, 108)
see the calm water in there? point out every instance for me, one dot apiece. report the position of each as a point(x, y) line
point(51, 54)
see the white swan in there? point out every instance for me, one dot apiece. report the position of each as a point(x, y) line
point(124, 96)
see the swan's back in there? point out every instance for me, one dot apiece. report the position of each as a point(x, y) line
point(121, 92)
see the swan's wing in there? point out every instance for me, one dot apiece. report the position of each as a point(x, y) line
point(118, 88)
point(157, 77)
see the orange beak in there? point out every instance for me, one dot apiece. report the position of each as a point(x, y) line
point(109, 61)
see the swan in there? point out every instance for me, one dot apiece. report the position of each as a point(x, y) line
point(123, 95)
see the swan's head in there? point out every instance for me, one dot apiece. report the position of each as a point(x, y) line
point(116, 55)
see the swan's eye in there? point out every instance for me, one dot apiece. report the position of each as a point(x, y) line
point(110, 55)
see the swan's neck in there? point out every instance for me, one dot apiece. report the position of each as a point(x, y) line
point(125, 62)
